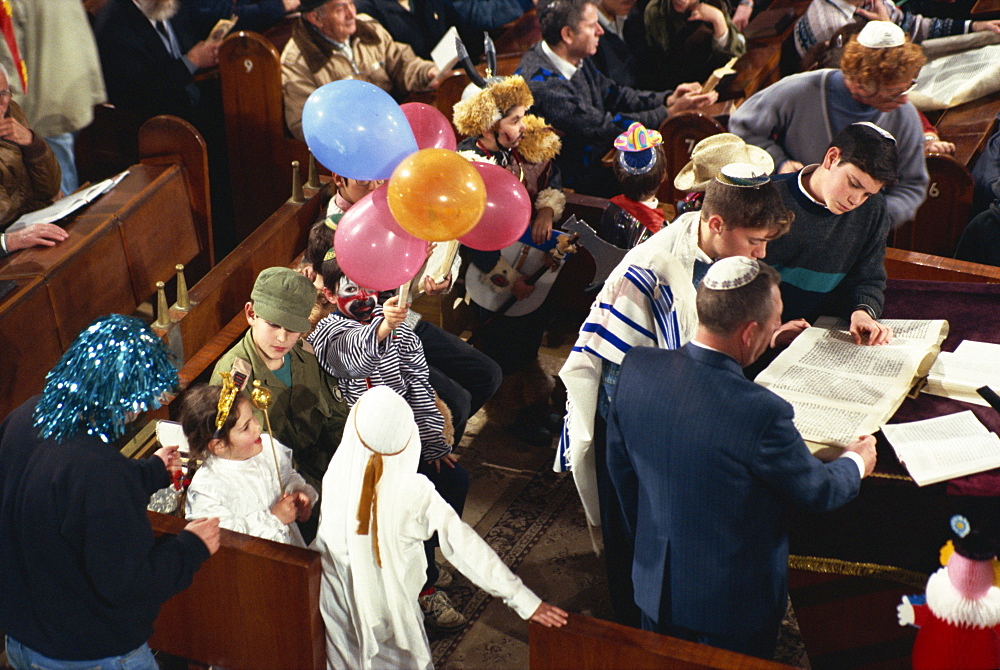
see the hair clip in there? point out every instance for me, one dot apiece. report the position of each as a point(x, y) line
point(226, 398)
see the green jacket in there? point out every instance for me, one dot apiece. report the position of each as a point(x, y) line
point(307, 417)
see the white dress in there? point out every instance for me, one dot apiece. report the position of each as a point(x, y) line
point(241, 493)
point(372, 616)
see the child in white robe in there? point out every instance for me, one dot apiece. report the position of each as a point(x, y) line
point(238, 480)
point(376, 514)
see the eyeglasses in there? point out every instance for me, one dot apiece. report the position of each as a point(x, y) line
point(6, 93)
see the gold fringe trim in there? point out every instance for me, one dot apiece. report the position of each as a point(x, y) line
point(889, 475)
point(836, 566)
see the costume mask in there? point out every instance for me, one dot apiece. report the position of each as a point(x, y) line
point(354, 301)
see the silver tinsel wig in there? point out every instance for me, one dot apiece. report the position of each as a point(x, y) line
point(114, 368)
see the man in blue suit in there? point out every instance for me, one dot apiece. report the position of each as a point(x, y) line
point(705, 464)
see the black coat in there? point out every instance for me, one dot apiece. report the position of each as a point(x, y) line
point(139, 73)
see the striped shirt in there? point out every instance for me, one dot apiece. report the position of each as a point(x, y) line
point(350, 351)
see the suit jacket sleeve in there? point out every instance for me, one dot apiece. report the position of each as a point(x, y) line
point(783, 461)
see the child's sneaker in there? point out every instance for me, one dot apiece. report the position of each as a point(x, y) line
point(440, 613)
point(445, 578)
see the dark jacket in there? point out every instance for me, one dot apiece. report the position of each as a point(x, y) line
point(255, 15)
point(81, 575)
point(705, 501)
point(592, 110)
point(140, 74)
point(422, 27)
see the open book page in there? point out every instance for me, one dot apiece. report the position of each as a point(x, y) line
point(841, 390)
point(945, 447)
point(957, 375)
point(933, 462)
point(957, 78)
point(62, 208)
point(959, 424)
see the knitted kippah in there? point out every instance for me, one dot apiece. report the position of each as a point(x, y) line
point(730, 273)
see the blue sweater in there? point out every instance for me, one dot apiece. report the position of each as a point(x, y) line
point(830, 264)
point(81, 575)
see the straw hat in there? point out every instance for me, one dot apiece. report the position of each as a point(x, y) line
point(712, 154)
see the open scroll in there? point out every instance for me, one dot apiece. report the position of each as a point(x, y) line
point(841, 390)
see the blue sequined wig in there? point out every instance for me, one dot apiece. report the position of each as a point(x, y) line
point(114, 370)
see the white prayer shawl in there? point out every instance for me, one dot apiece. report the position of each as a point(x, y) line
point(241, 493)
point(372, 616)
point(647, 300)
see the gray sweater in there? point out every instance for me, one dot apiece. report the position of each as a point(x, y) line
point(790, 120)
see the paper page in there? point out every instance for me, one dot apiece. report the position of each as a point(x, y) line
point(959, 424)
point(841, 390)
point(445, 54)
point(951, 80)
point(221, 29)
point(958, 374)
point(169, 434)
point(902, 329)
point(988, 351)
point(60, 209)
point(932, 462)
point(824, 424)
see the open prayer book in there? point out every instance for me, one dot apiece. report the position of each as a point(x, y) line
point(841, 390)
point(944, 447)
point(60, 209)
point(958, 374)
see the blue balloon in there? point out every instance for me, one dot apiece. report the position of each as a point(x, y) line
point(356, 130)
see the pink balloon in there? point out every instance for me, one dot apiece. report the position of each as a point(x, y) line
point(507, 213)
point(431, 128)
point(372, 249)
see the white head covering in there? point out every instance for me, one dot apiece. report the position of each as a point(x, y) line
point(380, 426)
point(881, 35)
point(729, 273)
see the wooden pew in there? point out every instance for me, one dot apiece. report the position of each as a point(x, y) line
point(260, 148)
point(968, 126)
point(766, 44)
point(253, 605)
point(111, 261)
point(586, 643)
point(222, 293)
point(902, 264)
point(941, 219)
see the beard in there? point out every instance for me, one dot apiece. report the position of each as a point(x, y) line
point(158, 10)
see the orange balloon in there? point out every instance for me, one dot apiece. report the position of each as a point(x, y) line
point(436, 195)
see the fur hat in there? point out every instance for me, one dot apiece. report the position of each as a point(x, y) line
point(482, 110)
point(540, 143)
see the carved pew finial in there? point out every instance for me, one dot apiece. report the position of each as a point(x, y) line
point(298, 197)
point(162, 322)
point(183, 303)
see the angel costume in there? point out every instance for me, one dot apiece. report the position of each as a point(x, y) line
point(372, 545)
point(241, 493)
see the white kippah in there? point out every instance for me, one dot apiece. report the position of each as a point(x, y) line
point(881, 131)
point(729, 273)
point(742, 174)
point(881, 35)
